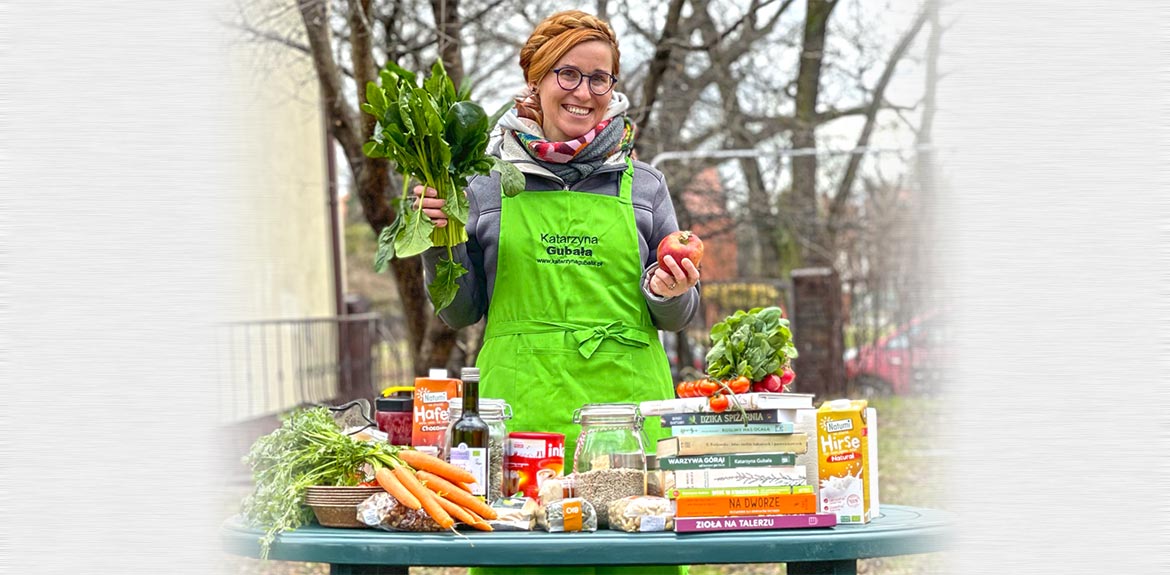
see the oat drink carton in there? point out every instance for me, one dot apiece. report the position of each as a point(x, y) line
point(432, 396)
point(844, 461)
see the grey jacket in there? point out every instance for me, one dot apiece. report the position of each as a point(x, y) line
point(653, 213)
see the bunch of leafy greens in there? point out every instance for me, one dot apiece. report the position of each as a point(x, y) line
point(750, 343)
point(437, 136)
point(308, 449)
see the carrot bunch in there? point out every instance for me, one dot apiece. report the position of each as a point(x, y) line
point(426, 482)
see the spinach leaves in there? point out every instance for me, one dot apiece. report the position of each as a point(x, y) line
point(437, 136)
point(750, 343)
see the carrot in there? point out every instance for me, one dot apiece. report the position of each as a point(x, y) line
point(396, 489)
point(430, 503)
point(461, 514)
point(423, 462)
point(461, 485)
point(456, 495)
point(425, 498)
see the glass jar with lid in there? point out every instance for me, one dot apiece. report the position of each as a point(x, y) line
point(609, 462)
point(495, 413)
point(394, 413)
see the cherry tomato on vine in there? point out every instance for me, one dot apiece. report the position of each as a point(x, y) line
point(718, 402)
point(740, 384)
point(707, 388)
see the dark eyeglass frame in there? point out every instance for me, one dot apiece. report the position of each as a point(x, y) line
point(612, 80)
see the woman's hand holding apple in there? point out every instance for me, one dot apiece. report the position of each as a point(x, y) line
point(679, 255)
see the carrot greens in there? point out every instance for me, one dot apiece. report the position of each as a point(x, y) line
point(309, 449)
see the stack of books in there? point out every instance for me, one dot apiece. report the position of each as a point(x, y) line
point(733, 470)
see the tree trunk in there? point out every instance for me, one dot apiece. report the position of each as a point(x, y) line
point(372, 176)
point(804, 167)
point(924, 164)
point(449, 27)
point(657, 68)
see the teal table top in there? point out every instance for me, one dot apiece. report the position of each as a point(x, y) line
point(900, 530)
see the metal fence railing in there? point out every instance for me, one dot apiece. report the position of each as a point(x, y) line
point(265, 367)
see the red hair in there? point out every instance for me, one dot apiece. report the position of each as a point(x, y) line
point(550, 41)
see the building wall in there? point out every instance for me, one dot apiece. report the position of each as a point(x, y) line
point(707, 203)
point(289, 271)
point(284, 256)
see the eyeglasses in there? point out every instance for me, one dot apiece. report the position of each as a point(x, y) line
point(599, 84)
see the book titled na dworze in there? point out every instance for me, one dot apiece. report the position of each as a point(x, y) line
point(723, 506)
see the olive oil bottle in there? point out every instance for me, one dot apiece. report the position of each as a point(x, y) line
point(469, 435)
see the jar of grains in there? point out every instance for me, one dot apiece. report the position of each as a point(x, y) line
point(610, 460)
point(495, 413)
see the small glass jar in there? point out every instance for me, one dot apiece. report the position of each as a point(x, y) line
point(609, 462)
point(653, 477)
point(495, 413)
point(394, 414)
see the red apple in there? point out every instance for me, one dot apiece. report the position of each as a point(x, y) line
point(679, 245)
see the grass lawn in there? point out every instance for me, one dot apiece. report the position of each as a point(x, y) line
point(912, 470)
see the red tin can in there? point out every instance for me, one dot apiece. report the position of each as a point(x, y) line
point(532, 457)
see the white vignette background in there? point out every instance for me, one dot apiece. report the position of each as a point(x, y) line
point(121, 219)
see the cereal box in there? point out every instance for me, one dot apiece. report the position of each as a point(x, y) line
point(432, 395)
point(844, 462)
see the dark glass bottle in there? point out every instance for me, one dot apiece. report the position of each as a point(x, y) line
point(470, 435)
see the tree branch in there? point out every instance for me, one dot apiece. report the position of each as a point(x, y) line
point(449, 28)
point(658, 62)
point(342, 120)
point(361, 46)
point(875, 104)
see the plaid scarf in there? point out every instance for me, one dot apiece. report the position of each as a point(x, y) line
point(576, 159)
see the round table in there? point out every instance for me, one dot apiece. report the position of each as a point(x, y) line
point(899, 530)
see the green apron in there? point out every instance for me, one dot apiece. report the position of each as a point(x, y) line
point(568, 324)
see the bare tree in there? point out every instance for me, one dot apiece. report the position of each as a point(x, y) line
point(371, 34)
point(924, 167)
point(876, 103)
point(708, 94)
point(703, 76)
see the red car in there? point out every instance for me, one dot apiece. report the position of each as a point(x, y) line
point(906, 361)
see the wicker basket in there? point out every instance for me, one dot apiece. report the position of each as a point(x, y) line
point(337, 516)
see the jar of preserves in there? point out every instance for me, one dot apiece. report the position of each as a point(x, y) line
point(610, 460)
point(496, 413)
point(394, 414)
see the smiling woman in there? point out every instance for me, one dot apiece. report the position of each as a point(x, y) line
point(571, 139)
point(572, 106)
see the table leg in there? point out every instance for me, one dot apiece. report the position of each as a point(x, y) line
point(345, 569)
point(838, 567)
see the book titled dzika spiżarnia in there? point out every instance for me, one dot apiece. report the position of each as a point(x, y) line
point(729, 417)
